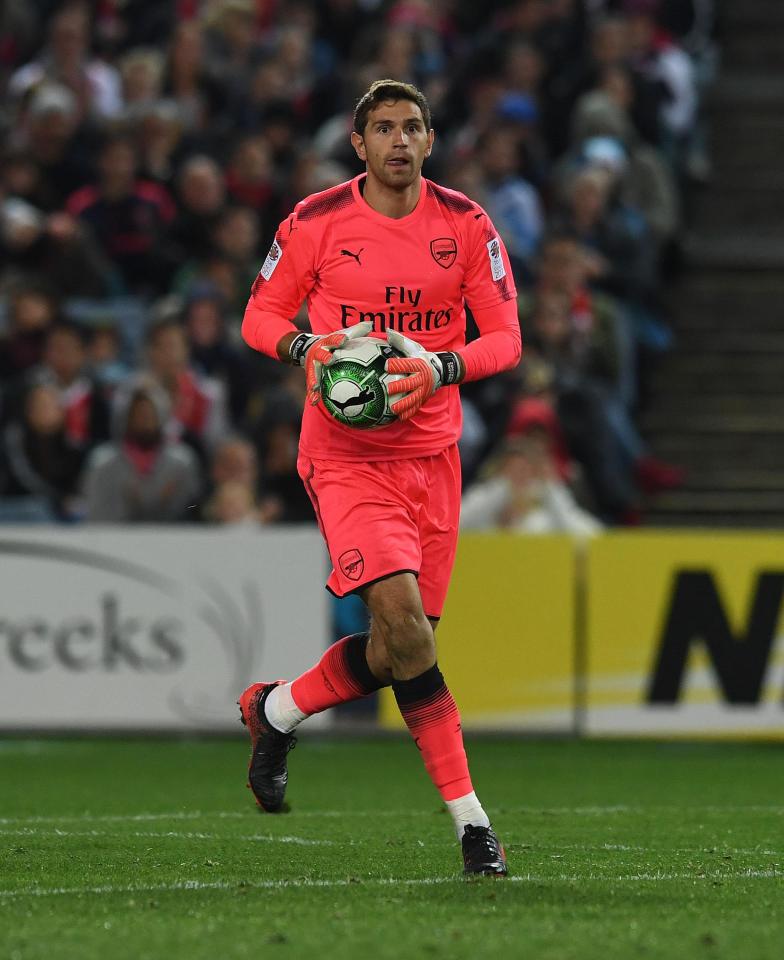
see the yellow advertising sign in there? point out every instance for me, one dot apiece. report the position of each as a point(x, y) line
point(684, 634)
point(506, 642)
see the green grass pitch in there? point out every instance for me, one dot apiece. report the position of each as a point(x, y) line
point(153, 849)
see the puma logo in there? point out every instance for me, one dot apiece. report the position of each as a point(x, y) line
point(355, 256)
point(364, 396)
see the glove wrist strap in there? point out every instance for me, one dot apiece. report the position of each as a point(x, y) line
point(450, 367)
point(299, 347)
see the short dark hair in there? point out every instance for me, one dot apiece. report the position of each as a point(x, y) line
point(168, 321)
point(71, 329)
point(384, 91)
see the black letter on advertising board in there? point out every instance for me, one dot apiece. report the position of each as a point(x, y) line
point(696, 614)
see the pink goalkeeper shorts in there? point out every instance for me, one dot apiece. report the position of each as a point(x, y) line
point(387, 517)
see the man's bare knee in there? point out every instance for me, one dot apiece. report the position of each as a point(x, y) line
point(400, 624)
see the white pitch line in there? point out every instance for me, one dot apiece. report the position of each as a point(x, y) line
point(380, 881)
point(630, 848)
point(526, 844)
point(348, 814)
point(167, 835)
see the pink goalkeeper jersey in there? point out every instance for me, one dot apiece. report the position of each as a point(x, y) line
point(414, 275)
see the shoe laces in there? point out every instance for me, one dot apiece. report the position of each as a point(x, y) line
point(481, 837)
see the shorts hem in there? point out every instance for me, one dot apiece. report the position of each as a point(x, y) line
point(369, 583)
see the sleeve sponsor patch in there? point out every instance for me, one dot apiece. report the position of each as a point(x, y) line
point(497, 267)
point(273, 259)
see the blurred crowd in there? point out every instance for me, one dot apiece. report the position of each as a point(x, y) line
point(150, 150)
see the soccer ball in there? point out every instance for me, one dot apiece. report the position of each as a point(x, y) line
point(354, 385)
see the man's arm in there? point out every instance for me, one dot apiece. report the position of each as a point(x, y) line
point(499, 346)
point(489, 290)
point(283, 348)
point(267, 331)
point(285, 279)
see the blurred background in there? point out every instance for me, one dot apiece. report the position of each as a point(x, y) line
point(628, 152)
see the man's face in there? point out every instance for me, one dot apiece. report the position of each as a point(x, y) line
point(499, 156)
point(117, 164)
point(394, 144)
point(168, 353)
point(65, 355)
point(234, 461)
point(142, 416)
point(561, 267)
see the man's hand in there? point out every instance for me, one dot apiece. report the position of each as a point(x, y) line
point(313, 352)
point(425, 373)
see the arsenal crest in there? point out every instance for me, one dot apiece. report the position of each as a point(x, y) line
point(444, 251)
point(352, 563)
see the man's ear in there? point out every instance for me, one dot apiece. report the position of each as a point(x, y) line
point(358, 143)
point(430, 137)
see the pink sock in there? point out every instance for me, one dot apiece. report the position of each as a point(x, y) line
point(341, 675)
point(432, 716)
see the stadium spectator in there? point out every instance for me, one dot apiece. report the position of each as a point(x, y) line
point(141, 476)
point(201, 195)
point(276, 435)
point(623, 258)
point(512, 203)
point(233, 504)
point(65, 367)
point(151, 150)
point(535, 410)
point(658, 58)
point(127, 216)
point(213, 354)
point(65, 59)
point(159, 137)
point(603, 135)
point(49, 133)
point(525, 494)
point(104, 356)
point(234, 481)
point(249, 174)
point(38, 458)
point(236, 238)
point(234, 460)
point(18, 27)
point(195, 403)
point(582, 406)
point(186, 81)
point(31, 312)
point(53, 248)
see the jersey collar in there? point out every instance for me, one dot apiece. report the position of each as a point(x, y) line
point(377, 217)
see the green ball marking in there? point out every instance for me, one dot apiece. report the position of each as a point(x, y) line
point(345, 380)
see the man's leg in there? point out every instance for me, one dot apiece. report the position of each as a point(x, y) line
point(342, 675)
point(271, 711)
point(402, 642)
point(348, 520)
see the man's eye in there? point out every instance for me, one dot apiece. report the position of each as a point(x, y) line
point(383, 129)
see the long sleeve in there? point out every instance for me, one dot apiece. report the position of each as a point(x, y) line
point(285, 279)
point(499, 346)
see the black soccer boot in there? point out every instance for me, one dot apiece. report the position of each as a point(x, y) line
point(267, 769)
point(482, 852)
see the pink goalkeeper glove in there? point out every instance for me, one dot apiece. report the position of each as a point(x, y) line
point(425, 373)
point(313, 352)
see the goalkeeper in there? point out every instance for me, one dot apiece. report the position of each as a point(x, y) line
point(391, 254)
